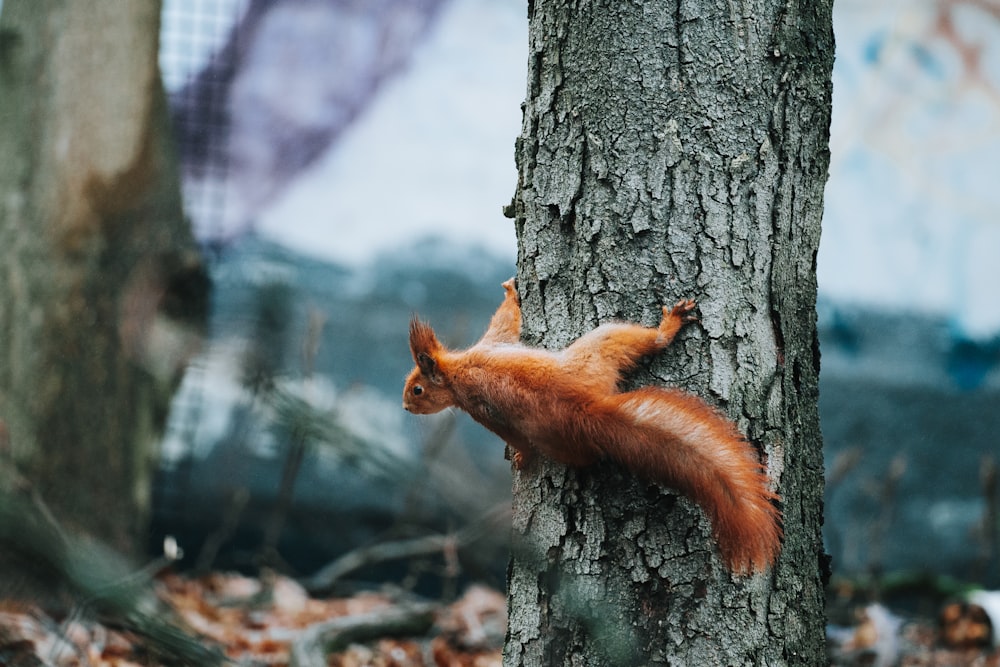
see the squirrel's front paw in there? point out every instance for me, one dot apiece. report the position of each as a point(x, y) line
point(682, 310)
point(674, 318)
point(510, 290)
point(519, 458)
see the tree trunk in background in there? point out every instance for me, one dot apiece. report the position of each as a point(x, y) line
point(99, 276)
point(674, 150)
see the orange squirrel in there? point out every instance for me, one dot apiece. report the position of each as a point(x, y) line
point(566, 405)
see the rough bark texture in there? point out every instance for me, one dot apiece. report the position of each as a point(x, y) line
point(93, 249)
point(674, 150)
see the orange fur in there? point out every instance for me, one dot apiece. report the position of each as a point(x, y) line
point(566, 406)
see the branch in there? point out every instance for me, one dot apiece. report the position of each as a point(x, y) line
point(379, 553)
point(313, 645)
point(421, 546)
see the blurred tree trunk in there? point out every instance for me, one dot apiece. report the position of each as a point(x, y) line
point(674, 150)
point(99, 276)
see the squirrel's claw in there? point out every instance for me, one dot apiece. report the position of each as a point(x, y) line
point(682, 310)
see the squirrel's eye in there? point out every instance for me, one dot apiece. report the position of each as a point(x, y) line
point(417, 390)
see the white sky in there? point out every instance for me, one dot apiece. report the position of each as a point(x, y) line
point(433, 154)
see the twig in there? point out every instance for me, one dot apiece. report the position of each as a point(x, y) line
point(298, 446)
point(231, 516)
point(888, 498)
point(313, 645)
point(990, 529)
point(377, 553)
point(398, 549)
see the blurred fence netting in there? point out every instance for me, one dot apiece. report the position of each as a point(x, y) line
point(199, 41)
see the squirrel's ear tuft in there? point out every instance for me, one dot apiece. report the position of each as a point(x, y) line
point(425, 348)
point(429, 368)
point(422, 339)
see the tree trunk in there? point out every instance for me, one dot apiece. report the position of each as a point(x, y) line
point(674, 150)
point(97, 267)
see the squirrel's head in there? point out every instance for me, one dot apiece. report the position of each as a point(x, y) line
point(426, 390)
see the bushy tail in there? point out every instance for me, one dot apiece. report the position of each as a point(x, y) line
point(676, 439)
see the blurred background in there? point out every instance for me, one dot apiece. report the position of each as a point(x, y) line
point(345, 163)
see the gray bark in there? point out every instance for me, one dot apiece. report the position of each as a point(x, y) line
point(97, 267)
point(674, 150)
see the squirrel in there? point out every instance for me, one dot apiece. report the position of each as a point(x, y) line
point(567, 406)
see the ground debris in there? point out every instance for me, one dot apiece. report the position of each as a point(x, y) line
point(271, 621)
point(960, 636)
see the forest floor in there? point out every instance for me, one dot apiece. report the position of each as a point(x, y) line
point(247, 621)
point(911, 621)
point(273, 621)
